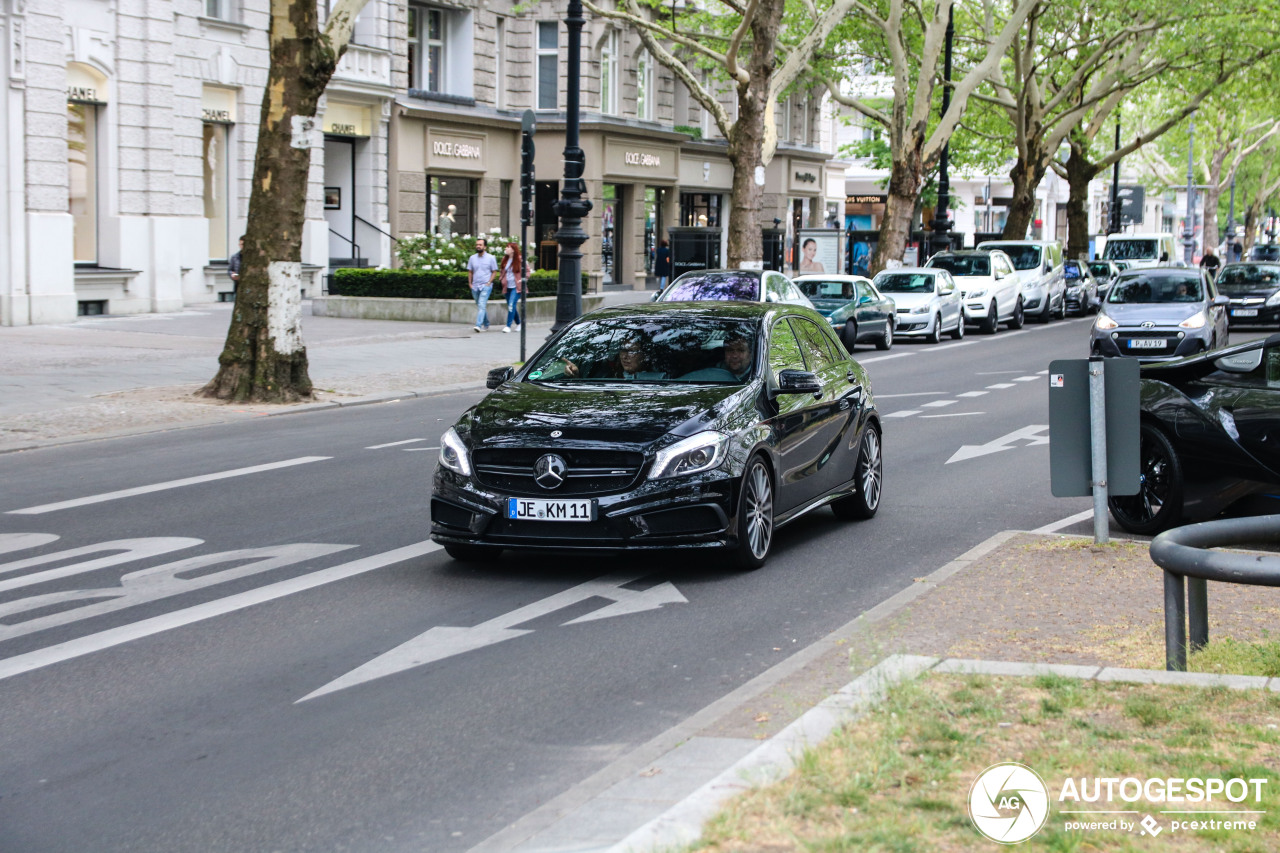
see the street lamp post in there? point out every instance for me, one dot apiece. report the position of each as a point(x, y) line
point(941, 224)
point(572, 206)
point(1231, 221)
point(1113, 209)
point(1188, 229)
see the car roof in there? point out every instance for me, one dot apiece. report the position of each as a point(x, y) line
point(835, 276)
point(737, 309)
point(746, 273)
point(1159, 271)
point(1016, 243)
point(925, 270)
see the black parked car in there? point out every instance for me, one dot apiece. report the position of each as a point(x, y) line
point(1104, 272)
point(1265, 252)
point(1210, 437)
point(1254, 291)
point(687, 425)
point(1082, 287)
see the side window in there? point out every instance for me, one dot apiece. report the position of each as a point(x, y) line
point(813, 344)
point(945, 284)
point(863, 290)
point(784, 350)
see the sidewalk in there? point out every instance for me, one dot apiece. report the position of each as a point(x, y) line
point(104, 376)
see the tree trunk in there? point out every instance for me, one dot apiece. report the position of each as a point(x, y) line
point(1251, 214)
point(1080, 173)
point(906, 179)
point(1211, 195)
point(1022, 210)
point(264, 358)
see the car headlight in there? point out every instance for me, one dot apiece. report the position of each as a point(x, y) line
point(974, 294)
point(1105, 322)
point(1195, 321)
point(453, 453)
point(920, 309)
point(1273, 300)
point(700, 452)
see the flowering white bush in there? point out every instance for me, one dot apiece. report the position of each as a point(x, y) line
point(431, 252)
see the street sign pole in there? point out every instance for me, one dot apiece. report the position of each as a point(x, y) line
point(528, 124)
point(1098, 448)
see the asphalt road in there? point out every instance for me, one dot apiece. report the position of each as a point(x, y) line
point(197, 663)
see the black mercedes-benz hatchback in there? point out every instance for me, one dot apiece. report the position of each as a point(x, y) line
point(684, 425)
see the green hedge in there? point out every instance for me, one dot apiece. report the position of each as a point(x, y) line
point(426, 284)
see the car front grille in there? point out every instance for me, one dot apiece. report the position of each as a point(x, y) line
point(588, 472)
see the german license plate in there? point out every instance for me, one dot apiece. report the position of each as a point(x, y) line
point(1245, 312)
point(1146, 343)
point(536, 509)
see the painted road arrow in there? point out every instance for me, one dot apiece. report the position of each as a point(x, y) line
point(443, 642)
point(1031, 434)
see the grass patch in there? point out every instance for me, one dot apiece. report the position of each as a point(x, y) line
point(898, 779)
point(1238, 658)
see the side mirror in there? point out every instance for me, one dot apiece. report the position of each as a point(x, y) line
point(1048, 267)
point(798, 382)
point(498, 375)
point(1221, 301)
point(864, 300)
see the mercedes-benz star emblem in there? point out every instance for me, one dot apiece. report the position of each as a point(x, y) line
point(548, 471)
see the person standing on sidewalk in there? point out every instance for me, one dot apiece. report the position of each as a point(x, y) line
point(482, 270)
point(662, 264)
point(511, 274)
point(233, 269)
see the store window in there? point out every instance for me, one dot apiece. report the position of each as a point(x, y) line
point(216, 189)
point(451, 205)
point(82, 167)
point(645, 93)
point(223, 10)
point(700, 210)
point(440, 50)
point(609, 74)
point(548, 65)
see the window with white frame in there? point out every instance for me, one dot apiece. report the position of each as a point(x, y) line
point(645, 94)
point(784, 132)
point(440, 50)
point(609, 79)
point(547, 82)
point(223, 10)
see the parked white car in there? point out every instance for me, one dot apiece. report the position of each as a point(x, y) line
point(989, 287)
point(1039, 264)
point(1150, 249)
point(928, 302)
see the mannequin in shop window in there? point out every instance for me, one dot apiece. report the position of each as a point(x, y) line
point(444, 225)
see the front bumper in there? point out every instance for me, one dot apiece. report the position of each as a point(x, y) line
point(910, 325)
point(1252, 312)
point(1158, 344)
point(681, 512)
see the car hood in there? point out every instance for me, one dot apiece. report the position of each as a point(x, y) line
point(1262, 291)
point(970, 283)
point(519, 413)
point(1159, 313)
point(907, 301)
point(827, 307)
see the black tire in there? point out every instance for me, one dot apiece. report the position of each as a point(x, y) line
point(935, 336)
point(868, 477)
point(1158, 504)
point(991, 323)
point(1062, 307)
point(1019, 316)
point(958, 332)
point(886, 340)
point(471, 553)
point(849, 335)
point(755, 516)
point(1046, 313)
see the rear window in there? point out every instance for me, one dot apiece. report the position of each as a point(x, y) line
point(971, 265)
point(1265, 253)
point(1071, 270)
point(820, 289)
point(1122, 249)
point(1023, 257)
point(720, 287)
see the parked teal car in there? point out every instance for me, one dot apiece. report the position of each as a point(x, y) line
point(857, 311)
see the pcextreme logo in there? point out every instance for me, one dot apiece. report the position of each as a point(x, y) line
point(1009, 802)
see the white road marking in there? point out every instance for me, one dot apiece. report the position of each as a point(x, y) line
point(996, 372)
point(23, 541)
point(883, 357)
point(159, 487)
point(913, 394)
point(999, 385)
point(147, 627)
point(905, 413)
point(973, 394)
point(952, 415)
point(417, 449)
point(442, 642)
point(1030, 434)
point(1026, 379)
point(394, 443)
point(131, 549)
point(1065, 522)
point(938, 404)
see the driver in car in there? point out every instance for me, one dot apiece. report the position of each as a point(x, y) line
point(737, 356)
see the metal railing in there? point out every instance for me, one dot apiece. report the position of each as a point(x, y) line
point(356, 254)
point(361, 219)
point(1188, 563)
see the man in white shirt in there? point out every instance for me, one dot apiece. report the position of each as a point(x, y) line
point(482, 269)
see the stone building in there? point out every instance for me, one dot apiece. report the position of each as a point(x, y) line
point(128, 137)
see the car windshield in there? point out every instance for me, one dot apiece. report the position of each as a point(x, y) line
point(825, 288)
point(1240, 277)
point(1269, 252)
point(720, 286)
point(904, 282)
point(1023, 257)
point(963, 265)
point(1071, 269)
point(644, 348)
point(1118, 249)
point(1147, 289)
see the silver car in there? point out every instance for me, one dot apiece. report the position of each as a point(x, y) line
point(1160, 314)
point(928, 302)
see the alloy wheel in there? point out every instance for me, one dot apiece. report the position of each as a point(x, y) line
point(757, 504)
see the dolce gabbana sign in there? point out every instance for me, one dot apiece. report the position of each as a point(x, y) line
point(638, 159)
point(448, 149)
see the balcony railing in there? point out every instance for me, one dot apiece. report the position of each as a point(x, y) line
point(369, 66)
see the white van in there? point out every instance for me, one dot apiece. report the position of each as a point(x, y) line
point(1143, 250)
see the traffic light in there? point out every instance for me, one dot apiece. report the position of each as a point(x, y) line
point(526, 169)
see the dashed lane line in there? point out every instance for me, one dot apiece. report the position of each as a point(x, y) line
point(160, 487)
point(394, 443)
